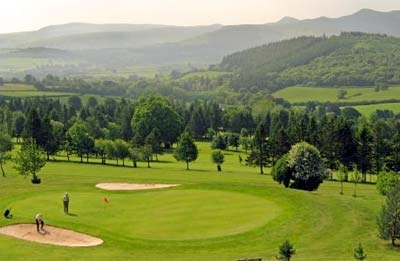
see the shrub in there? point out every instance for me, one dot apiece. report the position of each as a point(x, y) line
point(387, 181)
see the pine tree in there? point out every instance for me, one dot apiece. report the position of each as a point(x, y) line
point(359, 253)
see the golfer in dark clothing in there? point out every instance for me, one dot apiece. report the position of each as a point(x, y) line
point(39, 222)
point(66, 202)
point(7, 213)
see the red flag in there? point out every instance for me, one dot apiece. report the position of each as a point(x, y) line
point(106, 200)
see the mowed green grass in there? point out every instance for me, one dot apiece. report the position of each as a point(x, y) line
point(211, 216)
point(34, 94)
point(368, 110)
point(27, 90)
point(15, 87)
point(321, 94)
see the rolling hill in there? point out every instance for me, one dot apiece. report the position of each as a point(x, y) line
point(350, 59)
point(121, 45)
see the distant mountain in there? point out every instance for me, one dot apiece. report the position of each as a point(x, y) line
point(127, 45)
point(79, 36)
point(288, 20)
point(351, 59)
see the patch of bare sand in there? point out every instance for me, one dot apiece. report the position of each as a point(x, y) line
point(50, 235)
point(132, 186)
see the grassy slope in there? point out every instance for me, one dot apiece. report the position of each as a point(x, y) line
point(320, 94)
point(369, 109)
point(323, 225)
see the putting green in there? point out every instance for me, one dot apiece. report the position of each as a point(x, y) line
point(181, 214)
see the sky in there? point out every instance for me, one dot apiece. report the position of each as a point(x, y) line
point(26, 15)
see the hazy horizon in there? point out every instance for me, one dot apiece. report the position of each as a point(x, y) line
point(27, 15)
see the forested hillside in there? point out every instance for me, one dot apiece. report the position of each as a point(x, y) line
point(351, 59)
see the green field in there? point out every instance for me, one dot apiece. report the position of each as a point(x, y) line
point(370, 109)
point(26, 90)
point(211, 216)
point(34, 94)
point(304, 94)
point(14, 64)
point(16, 87)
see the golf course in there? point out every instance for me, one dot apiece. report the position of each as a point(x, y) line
point(208, 215)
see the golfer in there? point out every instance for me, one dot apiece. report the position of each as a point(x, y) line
point(39, 222)
point(66, 202)
point(7, 213)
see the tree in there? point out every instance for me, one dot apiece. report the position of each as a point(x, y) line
point(197, 124)
point(341, 95)
point(33, 127)
point(100, 147)
point(342, 176)
point(121, 150)
point(259, 153)
point(154, 141)
point(233, 140)
point(135, 155)
point(380, 144)
point(19, 123)
point(356, 178)
point(155, 112)
point(364, 152)
point(75, 102)
point(393, 163)
point(387, 181)
point(219, 142)
point(49, 143)
point(389, 218)
point(30, 160)
point(359, 253)
point(246, 142)
point(286, 251)
point(307, 167)
point(281, 171)
point(218, 158)
point(147, 154)
point(186, 150)
point(81, 142)
point(6, 146)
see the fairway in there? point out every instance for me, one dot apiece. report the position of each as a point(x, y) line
point(210, 216)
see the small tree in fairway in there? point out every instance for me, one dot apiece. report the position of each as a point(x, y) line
point(218, 158)
point(356, 178)
point(147, 153)
point(135, 155)
point(186, 149)
point(286, 251)
point(359, 253)
point(30, 160)
point(342, 176)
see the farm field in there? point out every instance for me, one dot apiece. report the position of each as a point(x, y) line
point(34, 94)
point(212, 216)
point(320, 94)
point(368, 110)
point(15, 87)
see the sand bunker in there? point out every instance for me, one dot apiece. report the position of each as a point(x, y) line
point(51, 235)
point(132, 186)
